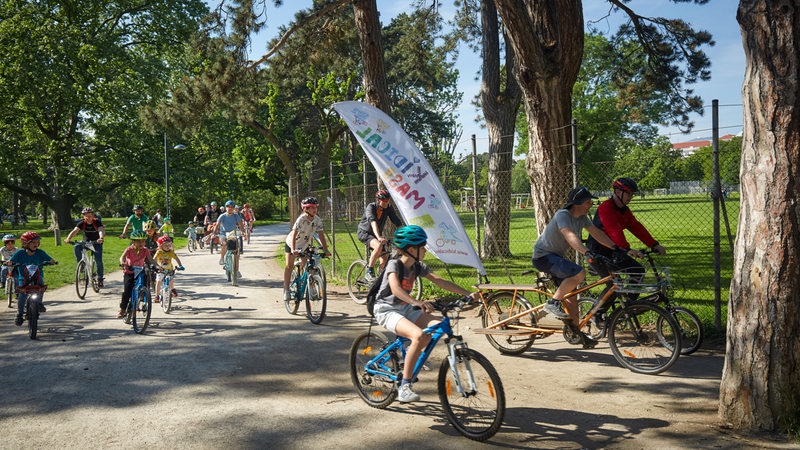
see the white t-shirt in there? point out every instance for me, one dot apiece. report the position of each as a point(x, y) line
point(305, 231)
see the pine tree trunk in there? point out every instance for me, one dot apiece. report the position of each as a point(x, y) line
point(369, 36)
point(547, 38)
point(760, 387)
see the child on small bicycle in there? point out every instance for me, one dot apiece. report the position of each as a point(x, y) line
point(29, 254)
point(6, 252)
point(190, 231)
point(136, 255)
point(151, 233)
point(167, 229)
point(306, 225)
point(164, 256)
point(401, 313)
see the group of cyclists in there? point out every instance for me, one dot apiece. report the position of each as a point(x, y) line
point(151, 244)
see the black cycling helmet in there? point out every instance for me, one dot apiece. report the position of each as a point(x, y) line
point(309, 201)
point(410, 235)
point(135, 207)
point(382, 194)
point(626, 184)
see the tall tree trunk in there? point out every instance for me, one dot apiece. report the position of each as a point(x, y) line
point(500, 108)
point(369, 36)
point(547, 38)
point(760, 387)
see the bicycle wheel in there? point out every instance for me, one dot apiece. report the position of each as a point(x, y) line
point(293, 303)
point(190, 246)
point(378, 391)
point(33, 317)
point(142, 309)
point(478, 411)
point(316, 298)
point(227, 265)
point(501, 306)
point(95, 283)
point(81, 280)
point(691, 329)
point(357, 285)
point(585, 304)
point(166, 295)
point(639, 343)
point(234, 265)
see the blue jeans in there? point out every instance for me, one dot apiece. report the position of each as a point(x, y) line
point(98, 256)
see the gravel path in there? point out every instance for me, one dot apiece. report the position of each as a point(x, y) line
point(230, 368)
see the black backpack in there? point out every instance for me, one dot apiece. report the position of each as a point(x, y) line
point(372, 294)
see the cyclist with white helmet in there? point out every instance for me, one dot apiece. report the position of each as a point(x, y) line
point(226, 223)
point(94, 231)
point(301, 236)
point(398, 311)
point(6, 252)
point(30, 254)
point(370, 229)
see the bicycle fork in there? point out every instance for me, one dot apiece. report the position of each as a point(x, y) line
point(453, 346)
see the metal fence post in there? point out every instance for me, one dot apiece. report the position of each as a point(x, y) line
point(332, 204)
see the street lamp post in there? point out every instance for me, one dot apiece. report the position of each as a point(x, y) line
point(230, 173)
point(166, 167)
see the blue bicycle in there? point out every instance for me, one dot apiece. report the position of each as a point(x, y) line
point(308, 282)
point(470, 390)
point(141, 305)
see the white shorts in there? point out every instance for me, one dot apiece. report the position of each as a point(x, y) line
point(389, 316)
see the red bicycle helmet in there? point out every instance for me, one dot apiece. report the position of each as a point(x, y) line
point(382, 194)
point(163, 239)
point(29, 236)
point(626, 184)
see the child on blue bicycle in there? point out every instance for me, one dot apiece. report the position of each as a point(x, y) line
point(136, 255)
point(401, 313)
point(301, 236)
point(164, 256)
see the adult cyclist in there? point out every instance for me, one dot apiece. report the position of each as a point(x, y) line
point(249, 217)
point(135, 221)
point(226, 223)
point(93, 231)
point(370, 229)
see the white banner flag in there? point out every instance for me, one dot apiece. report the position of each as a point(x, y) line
point(415, 189)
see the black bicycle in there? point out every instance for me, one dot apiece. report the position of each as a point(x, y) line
point(358, 283)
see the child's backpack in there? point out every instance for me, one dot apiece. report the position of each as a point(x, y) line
point(372, 293)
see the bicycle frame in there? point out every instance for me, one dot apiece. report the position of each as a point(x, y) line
point(303, 266)
point(377, 365)
point(518, 290)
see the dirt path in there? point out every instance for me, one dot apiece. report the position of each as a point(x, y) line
point(231, 369)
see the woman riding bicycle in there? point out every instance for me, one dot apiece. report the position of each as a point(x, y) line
point(401, 313)
point(370, 229)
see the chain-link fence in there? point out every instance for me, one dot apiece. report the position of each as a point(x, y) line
point(499, 217)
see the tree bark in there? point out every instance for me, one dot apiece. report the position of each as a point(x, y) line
point(760, 387)
point(547, 39)
point(369, 36)
point(500, 106)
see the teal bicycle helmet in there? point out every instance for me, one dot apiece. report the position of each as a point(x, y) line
point(410, 235)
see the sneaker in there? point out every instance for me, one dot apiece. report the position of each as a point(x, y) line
point(553, 307)
point(238, 274)
point(18, 320)
point(42, 308)
point(120, 313)
point(369, 276)
point(99, 282)
point(406, 395)
point(174, 292)
point(287, 296)
point(157, 299)
point(221, 262)
point(588, 341)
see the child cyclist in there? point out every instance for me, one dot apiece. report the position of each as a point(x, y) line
point(29, 254)
point(135, 255)
point(6, 251)
point(300, 238)
point(164, 256)
point(151, 236)
point(401, 313)
point(190, 232)
point(167, 229)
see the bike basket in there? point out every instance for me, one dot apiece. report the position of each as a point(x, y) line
point(233, 235)
point(633, 281)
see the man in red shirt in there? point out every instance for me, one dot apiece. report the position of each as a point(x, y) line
point(614, 217)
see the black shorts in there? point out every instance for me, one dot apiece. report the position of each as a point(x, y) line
point(365, 238)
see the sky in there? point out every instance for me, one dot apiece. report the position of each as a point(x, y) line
point(717, 17)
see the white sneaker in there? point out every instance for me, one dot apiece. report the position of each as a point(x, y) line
point(238, 274)
point(221, 262)
point(287, 296)
point(406, 395)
